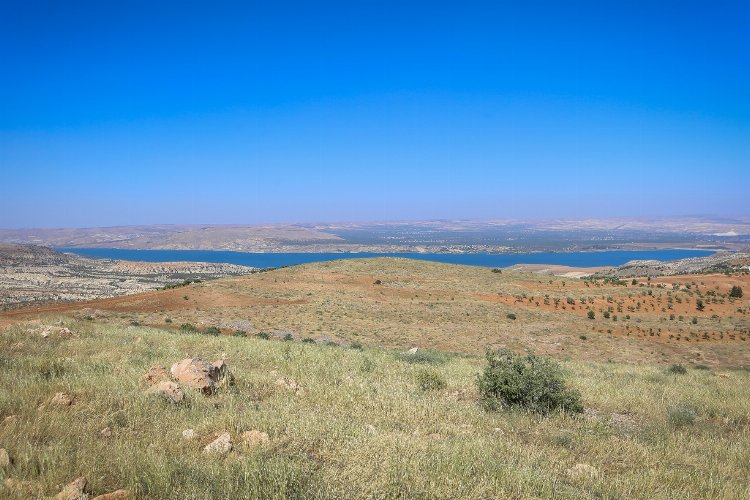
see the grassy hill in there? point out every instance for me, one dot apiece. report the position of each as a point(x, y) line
point(362, 425)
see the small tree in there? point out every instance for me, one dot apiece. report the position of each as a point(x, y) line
point(530, 382)
point(736, 292)
point(591, 315)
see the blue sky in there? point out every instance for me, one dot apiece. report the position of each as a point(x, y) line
point(252, 112)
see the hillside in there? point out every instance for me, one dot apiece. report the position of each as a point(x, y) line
point(32, 274)
point(405, 303)
point(307, 421)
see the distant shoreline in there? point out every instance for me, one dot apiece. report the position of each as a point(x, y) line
point(587, 259)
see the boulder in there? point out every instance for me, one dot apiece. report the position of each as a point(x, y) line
point(168, 390)
point(62, 399)
point(155, 374)
point(254, 438)
point(74, 491)
point(201, 375)
point(221, 446)
point(115, 495)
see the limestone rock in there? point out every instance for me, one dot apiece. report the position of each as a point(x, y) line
point(201, 375)
point(62, 399)
point(188, 434)
point(168, 390)
point(289, 384)
point(155, 374)
point(221, 446)
point(254, 438)
point(115, 495)
point(74, 491)
point(4, 458)
point(106, 432)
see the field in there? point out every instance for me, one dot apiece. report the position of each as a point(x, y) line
point(360, 425)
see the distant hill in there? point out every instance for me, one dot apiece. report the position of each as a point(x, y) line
point(32, 274)
point(436, 236)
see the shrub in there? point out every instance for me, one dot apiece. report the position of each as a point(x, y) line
point(583, 337)
point(430, 380)
point(168, 320)
point(591, 315)
point(357, 345)
point(701, 367)
point(606, 314)
point(699, 305)
point(188, 327)
point(308, 340)
point(736, 292)
point(288, 337)
point(239, 333)
point(530, 382)
point(211, 330)
point(677, 369)
point(135, 322)
point(510, 316)
point(682, 414)
point(263, 335)
point(498, 271)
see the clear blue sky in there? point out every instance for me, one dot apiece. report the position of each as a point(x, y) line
point(248, 112)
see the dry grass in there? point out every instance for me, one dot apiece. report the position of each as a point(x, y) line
point(362, 428)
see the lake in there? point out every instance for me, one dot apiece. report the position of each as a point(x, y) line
point(265, 260)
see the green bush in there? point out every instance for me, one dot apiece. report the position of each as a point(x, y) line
point(736, 292)
point(308, 340)
point(239, 333)
point(357, 345)
point(591, 315)
point(677, 369)
point(188, 327)
point(530, 382)
point(288, 337)
point(430, 380)
point(211, 330)
point(510, 316)
point(263, 335)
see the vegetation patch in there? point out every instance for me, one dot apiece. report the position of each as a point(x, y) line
point(530, 382)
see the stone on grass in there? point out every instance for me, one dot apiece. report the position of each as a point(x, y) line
point(168, 390)
point(201, 375)
point(74, 491)
point(115, 495)
point(155, 374)
point(62, 399)
point(4, 458)
point(289, 384)
point(188, 434)
point(254, 438)
point(220, 446)
point(106, 432)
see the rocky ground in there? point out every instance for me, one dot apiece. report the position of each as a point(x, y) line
point(721, 262)
point(37, 275)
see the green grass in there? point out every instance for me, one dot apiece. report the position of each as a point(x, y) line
point(362, 427)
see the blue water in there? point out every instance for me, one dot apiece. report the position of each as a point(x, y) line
point(265, 260)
